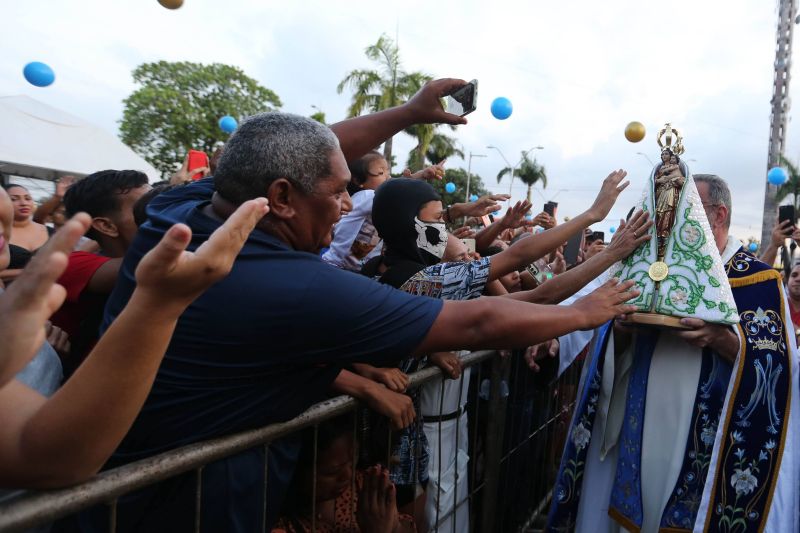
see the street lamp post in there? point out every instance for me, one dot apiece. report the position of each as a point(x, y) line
point(646, 157)
point(469, 172)
point(526, 152)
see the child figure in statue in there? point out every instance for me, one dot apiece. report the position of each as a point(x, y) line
point(669, 180)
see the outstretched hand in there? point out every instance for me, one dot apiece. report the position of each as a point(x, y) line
point(425, 107)
point(605, 303)
point(630, 235)
point(171, 275)
point(537, 352)
point(613, 185)
point(463, 232)
point(515, 216)
point(543, 220)
point(484, 205)
point(34, 296)
point(433, 172)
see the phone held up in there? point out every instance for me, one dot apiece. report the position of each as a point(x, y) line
point(464, 100)
point(197, 159)
point(573, 247)
point(786, 212)
point(550, 208)
point(596, 236)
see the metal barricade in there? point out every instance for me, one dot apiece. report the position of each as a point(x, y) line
point(493, 447)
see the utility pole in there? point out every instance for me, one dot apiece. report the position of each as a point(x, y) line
point(787, 11)
point(469, 172)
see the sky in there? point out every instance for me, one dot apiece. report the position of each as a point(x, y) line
point(576, 72)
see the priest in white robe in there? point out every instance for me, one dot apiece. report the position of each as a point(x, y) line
point(689, 430)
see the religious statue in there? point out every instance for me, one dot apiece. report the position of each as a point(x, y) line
point(669, 181)
point(679, 271)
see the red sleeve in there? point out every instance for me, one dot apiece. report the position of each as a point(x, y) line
point(80, 269)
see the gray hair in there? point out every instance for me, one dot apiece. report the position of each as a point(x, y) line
point(269, 146)
point(718, 192)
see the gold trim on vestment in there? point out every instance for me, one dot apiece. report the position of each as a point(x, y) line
point(743, 282)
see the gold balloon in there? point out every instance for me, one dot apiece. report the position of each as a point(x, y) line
point(634, 132)
point(171, 4)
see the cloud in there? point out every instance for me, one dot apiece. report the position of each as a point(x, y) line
point(576, 72)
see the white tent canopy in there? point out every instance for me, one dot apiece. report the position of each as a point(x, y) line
point(40, 141)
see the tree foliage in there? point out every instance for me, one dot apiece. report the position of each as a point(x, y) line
point(792, 185)
point(443, 147)
point(385, 87)
point(178, 106)
point(458, 176)
point(529, 172)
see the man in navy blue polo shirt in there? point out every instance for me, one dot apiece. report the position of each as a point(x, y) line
point(267, 341)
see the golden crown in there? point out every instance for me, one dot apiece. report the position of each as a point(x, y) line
point(670, 139)
point(766, 344)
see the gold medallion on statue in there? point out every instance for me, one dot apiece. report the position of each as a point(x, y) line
point(658, 271)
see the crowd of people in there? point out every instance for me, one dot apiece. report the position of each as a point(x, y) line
point(141, 318)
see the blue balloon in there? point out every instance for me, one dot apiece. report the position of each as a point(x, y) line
point(501, 108)
point(753, 247)
point(612, 229)
point(450, 187)
point(228, 124)
point(777, 176)
point(38, 74)
point(473, 198)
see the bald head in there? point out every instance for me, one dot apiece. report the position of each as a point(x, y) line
point(455, 250)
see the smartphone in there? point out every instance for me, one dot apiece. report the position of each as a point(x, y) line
point(470, 244)
point(574, 245)
point(464, 100)
point(550, 208)
point(197, 159)
point(786, 212)
point(486, 221)
point(598, 236)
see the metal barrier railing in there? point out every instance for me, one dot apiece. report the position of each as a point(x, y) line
point(488, 454)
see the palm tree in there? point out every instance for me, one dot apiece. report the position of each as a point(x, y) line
point(424, 134)
point(388, 86)
point(791, 187)
point(529, 172)
point(443, 147)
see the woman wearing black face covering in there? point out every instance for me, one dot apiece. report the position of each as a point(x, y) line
point(408, 216)
point(412, 240)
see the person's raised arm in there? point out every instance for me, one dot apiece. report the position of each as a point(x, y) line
point(484, 205)
point(49, 206)
point(526, 251)
point(514, 218)
point(780, 233)
point(496, 322)
point(627, 239)
point(359, 135)
point(67, 438)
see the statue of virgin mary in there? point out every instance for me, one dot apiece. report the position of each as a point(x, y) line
point(679, 271)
